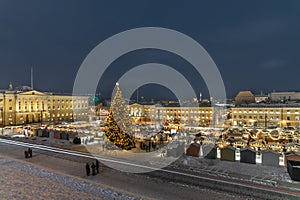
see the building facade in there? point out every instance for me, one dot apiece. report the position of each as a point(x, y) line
point(188, 115)
point(23, 107)
point(284, 96)
point(244, 97)
point(266, 116)
point(260, 115)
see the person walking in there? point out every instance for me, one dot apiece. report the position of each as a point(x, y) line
point(97, 166)
point(93, 169)
point(87, 169)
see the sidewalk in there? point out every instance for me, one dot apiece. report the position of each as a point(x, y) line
point(49, 177)
point(16, 182)
point(109, 184)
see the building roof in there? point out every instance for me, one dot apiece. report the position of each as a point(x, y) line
point(245, 94)
point(283, 93)
point(271, 105)
point(269, 152)
point(248, 149)
point(35, 92)
point(229, 147)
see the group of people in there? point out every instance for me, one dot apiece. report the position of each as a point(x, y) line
point(95, 168)
point(28, 153)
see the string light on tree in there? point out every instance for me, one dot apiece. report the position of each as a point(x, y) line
point(119, 124)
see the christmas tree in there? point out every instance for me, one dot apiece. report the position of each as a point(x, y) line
point(119, 124)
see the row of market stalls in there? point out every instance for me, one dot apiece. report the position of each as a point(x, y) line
point(278, 140)
point(64, 135)
point(52, 134)
point(249, 155)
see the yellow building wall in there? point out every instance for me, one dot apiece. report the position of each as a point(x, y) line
point(18, 108)
point(271, 116)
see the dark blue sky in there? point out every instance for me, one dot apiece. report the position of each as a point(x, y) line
point(255, 44)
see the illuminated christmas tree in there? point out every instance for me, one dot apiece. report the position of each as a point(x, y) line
point(119, 123)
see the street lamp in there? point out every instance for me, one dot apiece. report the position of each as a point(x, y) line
point(42, 116)
point(2, 116)
point(266, 122)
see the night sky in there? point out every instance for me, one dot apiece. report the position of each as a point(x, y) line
point(255, 44)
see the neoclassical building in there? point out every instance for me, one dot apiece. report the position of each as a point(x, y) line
point(189, 115)
point(267, 115)
point(30, 106)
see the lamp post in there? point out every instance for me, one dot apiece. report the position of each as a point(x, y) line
point(42, 116)
point(2, 117)
point(266, 117)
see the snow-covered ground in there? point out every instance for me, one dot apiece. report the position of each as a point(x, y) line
point(23, 181)
point(268, 175)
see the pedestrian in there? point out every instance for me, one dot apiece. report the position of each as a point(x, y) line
point(97, 166)
point(87, 169)
point(26, 154)
point(30, 152)
point(93, 169)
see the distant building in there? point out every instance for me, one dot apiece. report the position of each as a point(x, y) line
point(191, 115)
point(261, 98)
point(284, 96)
point(99, 112)
point(24, 105)
point(266, 115)
point(244, 97)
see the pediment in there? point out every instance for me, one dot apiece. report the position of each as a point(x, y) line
point(135, 105)
point(33, 92)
